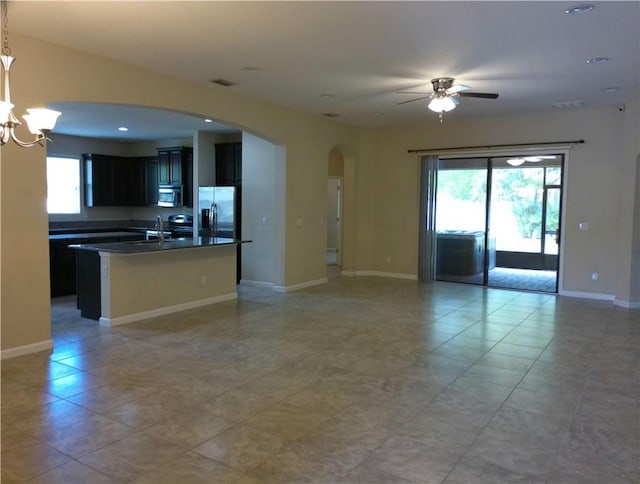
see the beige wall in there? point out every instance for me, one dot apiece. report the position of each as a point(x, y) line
point(628, 283)
point(261, 202)
point(596, 171)
point(25, 308)
point(336, 162)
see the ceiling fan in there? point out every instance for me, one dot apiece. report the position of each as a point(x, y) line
point(445, 95)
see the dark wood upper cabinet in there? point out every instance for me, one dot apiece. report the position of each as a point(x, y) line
point(98, 180)
point(164, 168)
point(114, 181)
point(118, 181)
point(151, 163)
point(228, 164)
point(175, 168)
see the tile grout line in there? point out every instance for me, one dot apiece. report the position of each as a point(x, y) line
point(503, 402)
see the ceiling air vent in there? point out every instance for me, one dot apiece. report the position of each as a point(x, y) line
point(569, 105)
point(331, 115)
point(222, 82)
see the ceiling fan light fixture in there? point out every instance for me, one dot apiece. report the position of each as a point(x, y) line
point(441, 104)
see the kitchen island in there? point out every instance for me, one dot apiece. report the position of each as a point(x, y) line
point(121, 282)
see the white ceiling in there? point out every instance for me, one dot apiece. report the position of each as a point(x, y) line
point(531, 53)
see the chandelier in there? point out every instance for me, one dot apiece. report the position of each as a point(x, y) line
point(39, 120)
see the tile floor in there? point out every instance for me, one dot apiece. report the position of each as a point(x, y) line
point(362, 380)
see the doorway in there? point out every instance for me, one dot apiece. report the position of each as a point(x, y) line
point(334, 221)
point(497, 221)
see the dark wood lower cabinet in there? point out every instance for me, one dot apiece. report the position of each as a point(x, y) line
point(63, 260)
point(62, 267)
point(88, 277)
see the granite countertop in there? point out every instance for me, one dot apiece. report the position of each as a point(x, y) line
point(139, 246)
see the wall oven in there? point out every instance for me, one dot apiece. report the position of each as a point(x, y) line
point(169, 196)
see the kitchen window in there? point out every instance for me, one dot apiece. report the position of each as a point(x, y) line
point(63, 185)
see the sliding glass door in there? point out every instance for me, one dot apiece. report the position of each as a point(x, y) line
point(461, 214)
point(498, 221)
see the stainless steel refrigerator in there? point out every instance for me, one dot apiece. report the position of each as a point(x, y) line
point(218, 206)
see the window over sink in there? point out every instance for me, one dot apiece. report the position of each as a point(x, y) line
point(63, 185)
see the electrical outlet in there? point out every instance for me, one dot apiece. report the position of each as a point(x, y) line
point(594, 276)
point(203, 280)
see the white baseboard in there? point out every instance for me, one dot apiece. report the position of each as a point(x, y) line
point(246, 282)
point(129, 318)
point(627, 304)
point(394, 275)
point(302, 285)
point(26, 349)
point(587, 295)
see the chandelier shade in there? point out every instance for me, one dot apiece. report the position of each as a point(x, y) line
point(39, 120)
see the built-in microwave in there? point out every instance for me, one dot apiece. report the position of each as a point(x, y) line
point(170, 196)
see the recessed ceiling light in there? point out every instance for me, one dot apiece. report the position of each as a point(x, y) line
point(207, 120)
point(610, 90)
point(584, 8)
point(251, 69)
point(598, 60)
point(327, 96)
point(123, 128)
point(516, 161)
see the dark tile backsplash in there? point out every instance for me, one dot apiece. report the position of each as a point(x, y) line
point(100, 224)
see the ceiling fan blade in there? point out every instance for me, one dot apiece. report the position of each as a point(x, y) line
point(457, 88)
point(483, 95)
point(415, 99)
point(411, 92)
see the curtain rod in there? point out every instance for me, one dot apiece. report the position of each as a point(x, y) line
point(489, 147)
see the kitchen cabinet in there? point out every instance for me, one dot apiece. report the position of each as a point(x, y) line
point(62, 259)
point(132, 172)
point(151, 164)
point(175, 168)
point(114, 181)
point(62, 267)
point(98, 180)
point(228, 164)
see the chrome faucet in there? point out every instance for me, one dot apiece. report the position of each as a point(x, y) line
point(213, 218)
point(159, 228)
